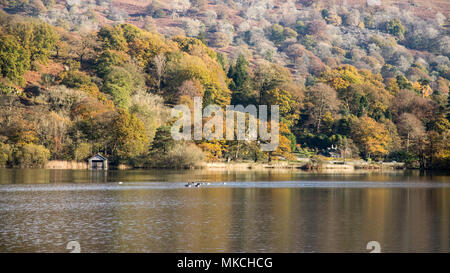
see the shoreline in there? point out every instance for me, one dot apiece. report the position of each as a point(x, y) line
point(306, 165)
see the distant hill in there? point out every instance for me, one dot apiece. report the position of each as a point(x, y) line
point(312, 34)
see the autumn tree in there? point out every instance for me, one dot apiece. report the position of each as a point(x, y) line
point(188, 90)
point(278, 33)
point(113, 38)
point(160, 65)
point(14, 59)
point(205, 69)
point(37, 37)
point(411, 128)
point(320, 99)
point(31, 155)
point(366, 99)
point(129, 139)
point(269, 76)
point(372, 137)
point(87, 47)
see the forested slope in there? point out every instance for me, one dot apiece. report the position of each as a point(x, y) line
point(84, 77)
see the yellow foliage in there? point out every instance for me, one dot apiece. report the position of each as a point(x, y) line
point(284, 146)
point(94, 92)
point(207, 71)
point(424, 90)
point(213, 150)
point(392, 86)
point(341, 78)
point(149, 45)
point(372, 137)
point(195, 47)
point(344, 76)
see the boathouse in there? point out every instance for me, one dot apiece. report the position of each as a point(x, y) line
point(98, 162)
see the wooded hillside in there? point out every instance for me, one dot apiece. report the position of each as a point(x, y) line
point(84, 77)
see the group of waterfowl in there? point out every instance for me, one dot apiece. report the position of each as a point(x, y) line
point(195, 184)
point(189, 184)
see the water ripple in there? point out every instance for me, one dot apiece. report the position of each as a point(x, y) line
point(173, 185)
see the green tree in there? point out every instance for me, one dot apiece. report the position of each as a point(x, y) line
point(118, 82)
point(75, 79)
point(83, 151)
point(365, 99)
point(395, 28)
point(222, 60)
point(289, 33)
point(5, 154)
point(202, 38)
point(325, 13)
point(113, 38)
point(241, 83)
point(308, 41)
point(276, 33)
point(14, 59)
point(39, 38)
point(129, 139)
point(163, 141)
point(110, 58)
point(403, 82)
point(31, 156)
point(301, 28)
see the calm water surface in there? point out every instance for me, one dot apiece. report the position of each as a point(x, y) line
point(243, 211)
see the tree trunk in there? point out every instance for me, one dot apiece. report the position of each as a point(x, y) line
point(407, 143)
point(345, 152)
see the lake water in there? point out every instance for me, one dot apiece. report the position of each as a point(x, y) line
point(239, 211)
